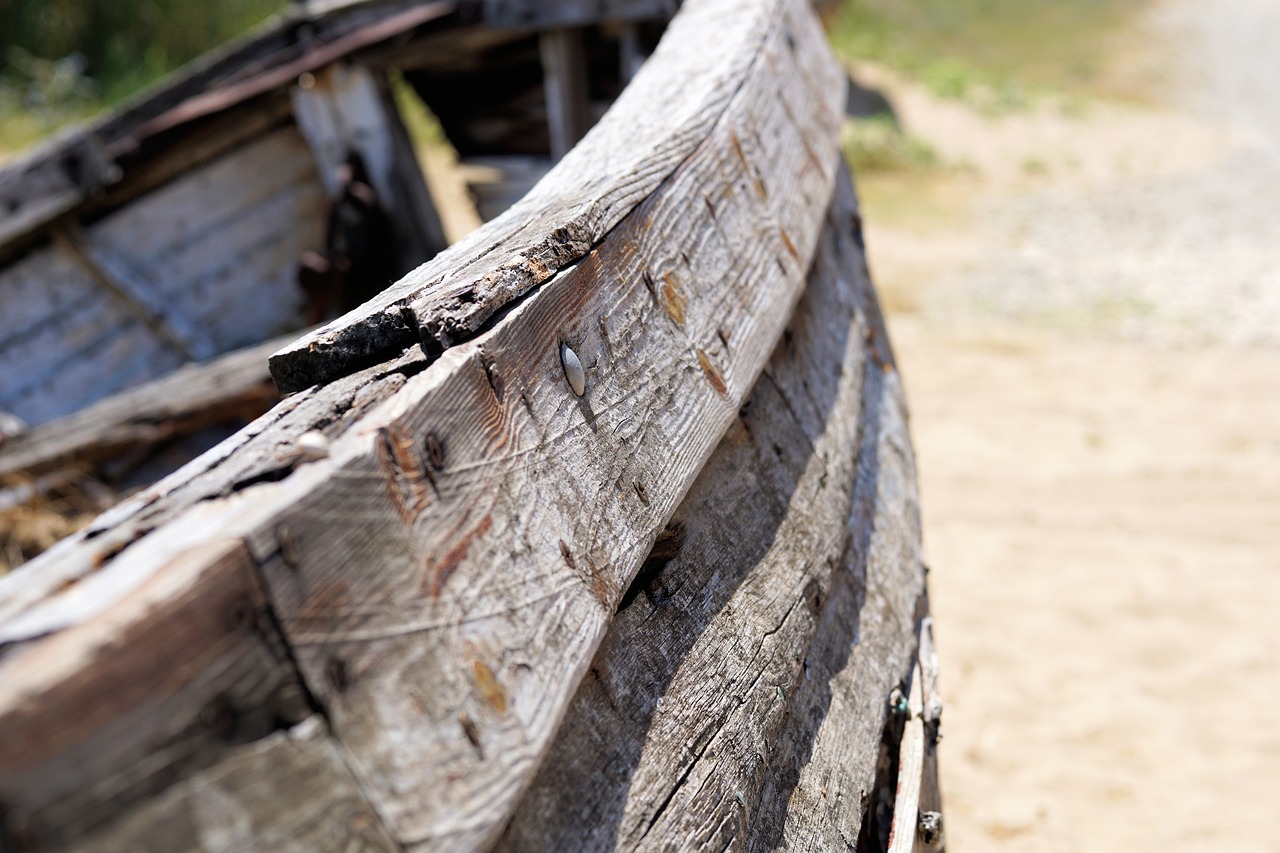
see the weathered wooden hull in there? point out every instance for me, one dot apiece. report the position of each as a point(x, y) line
point(456, 593)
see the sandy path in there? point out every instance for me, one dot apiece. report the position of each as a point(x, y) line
point(1093, 363)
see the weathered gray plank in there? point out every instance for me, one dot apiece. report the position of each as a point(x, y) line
point(217, 250)
point(183, 401)
point(670, 737)
point(223, 240)
point(111, 712)
point(136, 292)
point(288, 792)
point(822, 780)
point(78, 579)
point(344, 108)
point(564, 75)
point(711, 47)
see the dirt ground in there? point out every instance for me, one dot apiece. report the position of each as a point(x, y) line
point(1087, 317)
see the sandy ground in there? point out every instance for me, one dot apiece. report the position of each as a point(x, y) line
point(1089, 331)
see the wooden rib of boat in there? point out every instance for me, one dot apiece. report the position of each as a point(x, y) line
point(596, 531)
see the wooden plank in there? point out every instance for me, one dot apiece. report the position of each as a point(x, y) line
point(344, 108)
point(223, 240)
point(564, 76)
point(72, 359)
point(209, 259)
point(290, 791)
point(821, 790)
point(78, 579)
point(181, 402)
point(711, 48)
point(113, 711)
point(135, 290)
point(906, 805)
point(932, 834)
point(669, 739)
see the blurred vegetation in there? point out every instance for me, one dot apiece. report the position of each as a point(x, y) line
point(63, 60)
point(878, 144)
point(994, 54)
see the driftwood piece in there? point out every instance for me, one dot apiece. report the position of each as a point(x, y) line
point(712, 54)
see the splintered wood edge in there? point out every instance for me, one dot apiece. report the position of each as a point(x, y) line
point(660, 119)
point(761, 180)
point(906, 805)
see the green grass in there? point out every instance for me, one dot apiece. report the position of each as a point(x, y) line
point(995, 54)
point(63, 61)
point(878, 144)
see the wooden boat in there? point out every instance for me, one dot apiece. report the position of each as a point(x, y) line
point(597, 531)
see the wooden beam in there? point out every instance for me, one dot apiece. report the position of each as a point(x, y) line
point(711, 49)
point(345, 108)
point(564, 76)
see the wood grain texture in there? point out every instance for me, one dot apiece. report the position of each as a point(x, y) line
point(436, 580)
point(671, 735)
point(185, 400)
point(826, 759)
point(906, 805)
point(287, 792)
point(109, 713)
point(710, 53)
point(78, 578)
